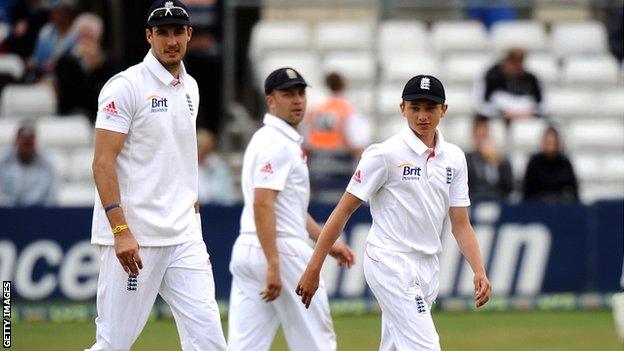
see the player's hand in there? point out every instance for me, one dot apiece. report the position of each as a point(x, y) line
point(307, 286)
point(127, 251)
point(482, 289)
point(343, 254)
point(273, 285)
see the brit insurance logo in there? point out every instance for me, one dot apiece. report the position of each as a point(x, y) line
point(158, 104)
point(410, 171)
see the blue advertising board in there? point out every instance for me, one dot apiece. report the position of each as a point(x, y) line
point(529, 249)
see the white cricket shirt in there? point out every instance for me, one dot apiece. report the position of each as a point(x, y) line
point(157, 166)
point(410, 190)
point(274, 160)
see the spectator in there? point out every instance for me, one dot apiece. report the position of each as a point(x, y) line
point(489, 172)
point(215, 179)
point(616, 33)
point(490, 13)
point(27, 18)
point(549, 176)
point(509, 91)
point(54, 40)
point(81, 73)
point(27, 178)
point(335, 136)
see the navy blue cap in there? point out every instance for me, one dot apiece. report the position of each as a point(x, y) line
point(166, 12)
point(283, 78)
point(424, 87)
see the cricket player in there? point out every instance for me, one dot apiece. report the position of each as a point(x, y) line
point(272, 249)
point(146, 217)
point(412, 181)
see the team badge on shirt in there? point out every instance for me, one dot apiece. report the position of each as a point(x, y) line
point(410, 171)
point(267, 168)
point(190, 104)
point(449, 175)
point(420, 304)
point(357, 176)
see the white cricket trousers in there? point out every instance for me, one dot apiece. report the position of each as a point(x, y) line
point(405, 285)
point(181, 274)
point(253, 322)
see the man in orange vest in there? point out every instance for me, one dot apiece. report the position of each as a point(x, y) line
point(335, 138)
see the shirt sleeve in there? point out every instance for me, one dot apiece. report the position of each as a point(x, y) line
point(116, 105)
point(458, 192)
point(370, 174)
point(272, 167)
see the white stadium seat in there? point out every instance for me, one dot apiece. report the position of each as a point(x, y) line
point(569, 103)
point(356, 67)
point(526, 134)
point(60, 161)
point(465, 68)
point(362, 99)
point(613, 166)
point(344, 35)
point(81, 161)
point(519, 162)
point(389, 98)
point(463, 36)
point(76, 194)
point(396, 37)
point(68, 132)
point(27, 101)
point(8, 129)
point(305, 62)
point(457, 130)
point(588, 37)
point(580, 71)
point(404, 66)
point(528, 35)
point(611, 102)
point(543, 66)
point(460, 100)
point(12, 64)
point(278, 35)
point(594, 191)
point(595, 135)
point(587, 166)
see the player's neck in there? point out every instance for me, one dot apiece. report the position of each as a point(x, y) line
point(429, 139)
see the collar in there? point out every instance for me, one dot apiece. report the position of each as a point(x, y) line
point(161, 72)
point(283, 127)
point(418, 146)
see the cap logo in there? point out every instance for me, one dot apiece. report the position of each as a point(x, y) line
point(424, 83)
point(291, 74)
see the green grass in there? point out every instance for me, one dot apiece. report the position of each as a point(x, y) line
point(482, 331)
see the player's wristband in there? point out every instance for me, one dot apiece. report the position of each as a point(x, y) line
point(120, 228)
point(111, 206)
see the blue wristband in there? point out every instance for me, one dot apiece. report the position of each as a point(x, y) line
point(111, 206)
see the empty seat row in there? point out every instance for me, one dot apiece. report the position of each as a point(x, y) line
point(60, 132)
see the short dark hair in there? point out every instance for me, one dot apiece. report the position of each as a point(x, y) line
point(479, 119)
point(335, 82)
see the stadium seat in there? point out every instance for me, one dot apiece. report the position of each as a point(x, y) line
point(587, 166)
point(389, 97)
point(398, 37)
point(60, 161)
point(519, 162)
point(465, 68)
point(269, 35)
point(81, 161)
point(463, 36)
point(8, 129)
point(588, 37)
point(363, 99)
point(67, 132)
point(543, 66)
point(566, 103)
point(12, 64)
point(526, 134)
point(527, 35)
point(460, 100)
point(595, 134)
point(580, 71)
point(357, 67)
point(27, 101)
point(344, 35)
point(76, 194)
point(595, 191)
point(305, 62)
point(403, 66)
point(457, 130)
point(611, 102)
point(613, 166)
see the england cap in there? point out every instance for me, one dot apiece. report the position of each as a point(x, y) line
point(283, 78)
point(424, 87)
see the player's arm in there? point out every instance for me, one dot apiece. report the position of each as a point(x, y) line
point(340, 251)
point(264, 217)
point(467, 242)
point(309, 282)
point(108, 144)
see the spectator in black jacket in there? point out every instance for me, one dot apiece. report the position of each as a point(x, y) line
point(489, 173)
point(549, 176)
point(509, 91)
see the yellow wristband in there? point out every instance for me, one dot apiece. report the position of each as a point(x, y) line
point(120, 228)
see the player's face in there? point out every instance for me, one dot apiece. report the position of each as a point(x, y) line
point(289, 104)
point(169, 43)
point(423, 116)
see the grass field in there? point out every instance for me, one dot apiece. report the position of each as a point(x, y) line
point(485, 331)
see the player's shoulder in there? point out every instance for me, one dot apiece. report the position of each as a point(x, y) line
point(454, 151)
point(126, 79)
point(190, 80)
